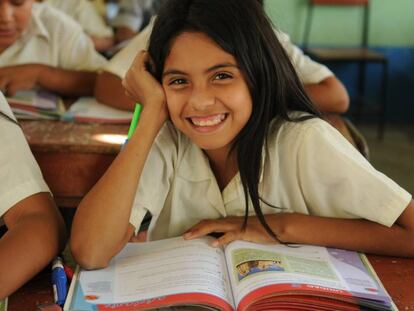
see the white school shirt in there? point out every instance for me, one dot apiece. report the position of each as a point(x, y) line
point(131, 13)
point(308, 167)
point(53, 38)
point(309, 71)
point(85, 13)
point(20, 175)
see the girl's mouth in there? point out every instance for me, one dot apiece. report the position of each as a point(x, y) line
point(209, 120)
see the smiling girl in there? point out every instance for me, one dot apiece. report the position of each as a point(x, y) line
point(228, 142)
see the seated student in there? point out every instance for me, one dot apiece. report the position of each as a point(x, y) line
point(132, 16)
point(42, 47)
point(327, 92)
point(85, 13)
point(36, 231)
point(228, 142)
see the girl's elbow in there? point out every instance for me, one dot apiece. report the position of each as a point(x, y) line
point(409, 245)
point(88, 258)
point(342, 103)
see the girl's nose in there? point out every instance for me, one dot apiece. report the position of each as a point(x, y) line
point(6, 12)
point(202, 99)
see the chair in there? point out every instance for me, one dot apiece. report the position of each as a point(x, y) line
point(360, 56)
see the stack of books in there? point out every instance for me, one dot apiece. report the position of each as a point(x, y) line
point(36, 105)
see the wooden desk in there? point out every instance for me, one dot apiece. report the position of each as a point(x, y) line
point(397, 275)
point(73, 156)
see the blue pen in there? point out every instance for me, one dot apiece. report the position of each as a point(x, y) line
point(59, 281)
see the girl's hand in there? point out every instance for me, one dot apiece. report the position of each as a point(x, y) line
point(141, 86)
point(20, 77)
point(140, 237)
point(231, 228)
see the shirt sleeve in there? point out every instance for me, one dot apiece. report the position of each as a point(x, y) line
point(337, 181)
point(19, 173)
point(309, 71)
point(156, 177)
point(130, 14)
point(121, 62)
point(92, 22)
point(76, 50)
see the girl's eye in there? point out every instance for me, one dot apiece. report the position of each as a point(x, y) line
point(177, 82)
point(222, 76)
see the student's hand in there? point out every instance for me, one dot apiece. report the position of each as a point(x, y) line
point(231, 228)
point(19, 77)
point(141, 86)
point(123, 33)
point(139, 238)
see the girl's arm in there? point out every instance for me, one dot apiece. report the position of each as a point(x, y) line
point(353, 234)
point(109, 90)
point(359, 235)
point(58, 80)
point(101, 224)
point(36, 233)
point(329, 95)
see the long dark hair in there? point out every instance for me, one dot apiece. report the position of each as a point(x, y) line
point(241, 28)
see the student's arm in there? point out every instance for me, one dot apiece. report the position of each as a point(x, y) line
point(123, 33)
point(36, 233)
point(329, 95)
point(353, 234)
point(326, 91)
point(109, 91)
point(102, 44)
point(101, 223)
point(62, 81)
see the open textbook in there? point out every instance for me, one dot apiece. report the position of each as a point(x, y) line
point(241, 276)
point(88, 109)
point(36, 104)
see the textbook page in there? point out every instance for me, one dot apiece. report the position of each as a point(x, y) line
point(254, 266)
point(88, 109)
point(147, 271)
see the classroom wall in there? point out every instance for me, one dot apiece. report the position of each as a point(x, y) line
point(391, 32)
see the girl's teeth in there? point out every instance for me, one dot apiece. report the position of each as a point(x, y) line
point(210, 122)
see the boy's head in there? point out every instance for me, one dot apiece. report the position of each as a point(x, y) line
point(15, 16)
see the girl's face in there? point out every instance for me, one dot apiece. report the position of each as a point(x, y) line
point(207, 95)
point(15, 16)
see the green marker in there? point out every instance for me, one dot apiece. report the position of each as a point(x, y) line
point(134, 121)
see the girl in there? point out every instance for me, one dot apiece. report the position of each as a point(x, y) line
point(36, 231)
point(228, 142)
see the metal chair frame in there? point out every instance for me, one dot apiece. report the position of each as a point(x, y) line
point(360, 56)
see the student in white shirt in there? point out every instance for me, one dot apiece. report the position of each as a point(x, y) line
point(228, 142)
point(86, 14)
point(36, 231)
point(326, 91)
point(133, 15)
point(42, 47)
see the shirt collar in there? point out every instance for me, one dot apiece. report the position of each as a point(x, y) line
point(36, 26)
point(196, 167)
point(195, 164)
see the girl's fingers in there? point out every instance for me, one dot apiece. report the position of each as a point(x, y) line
point(208, 226)
point(140, 59)
point(226, 238)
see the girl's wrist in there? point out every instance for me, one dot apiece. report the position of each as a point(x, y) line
point(277, 223)
point(156, 110)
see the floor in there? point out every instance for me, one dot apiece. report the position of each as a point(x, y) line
point(394, 155)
